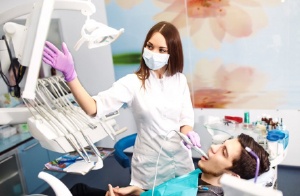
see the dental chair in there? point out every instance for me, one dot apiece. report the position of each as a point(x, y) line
point(231, 185)
point(122, 145)
point(59, 188)
point(236, 186)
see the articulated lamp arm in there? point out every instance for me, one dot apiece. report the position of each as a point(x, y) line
point(87, 8)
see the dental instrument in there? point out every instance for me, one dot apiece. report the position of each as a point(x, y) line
point(188, 141)
point(61, 126)
point(109, 129)
point(41, 107)
point(61, 104)
point(60, 116)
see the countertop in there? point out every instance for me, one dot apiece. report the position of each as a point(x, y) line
point(14, 141)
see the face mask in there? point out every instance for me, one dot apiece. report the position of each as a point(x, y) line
point(155, 60)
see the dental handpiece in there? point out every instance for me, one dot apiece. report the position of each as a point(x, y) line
point(188, 141)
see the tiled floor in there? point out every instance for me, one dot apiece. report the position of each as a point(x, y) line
point(288, 180)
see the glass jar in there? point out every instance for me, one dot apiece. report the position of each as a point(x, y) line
point(272, 142)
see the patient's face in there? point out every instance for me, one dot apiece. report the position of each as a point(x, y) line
point(221, 157)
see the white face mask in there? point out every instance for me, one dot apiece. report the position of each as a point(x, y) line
point(155, 60)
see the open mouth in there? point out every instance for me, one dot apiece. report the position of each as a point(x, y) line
point(203, 158)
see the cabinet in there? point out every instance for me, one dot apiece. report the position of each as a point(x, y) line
point(10, 175)
point(32, 158)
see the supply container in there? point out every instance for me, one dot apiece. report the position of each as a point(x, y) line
point(247, 125)
point(283, 136)
point(7, 131)
point(286, 138)
point(276, 143)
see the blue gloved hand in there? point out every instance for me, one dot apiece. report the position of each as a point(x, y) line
point(195, 139)
point(61, 61)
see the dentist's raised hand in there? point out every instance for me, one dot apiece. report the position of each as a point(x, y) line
point(60, 60)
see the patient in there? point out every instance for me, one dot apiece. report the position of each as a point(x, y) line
point(230, 157)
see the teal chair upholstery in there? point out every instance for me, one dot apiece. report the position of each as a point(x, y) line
point(120, 146)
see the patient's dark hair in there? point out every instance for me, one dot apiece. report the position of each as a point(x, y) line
point(245, 166)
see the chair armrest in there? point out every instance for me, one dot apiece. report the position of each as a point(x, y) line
point(120, 146)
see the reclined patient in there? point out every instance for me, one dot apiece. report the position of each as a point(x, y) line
point(229, 157)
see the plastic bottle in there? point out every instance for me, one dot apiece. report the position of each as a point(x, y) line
point(247, 124)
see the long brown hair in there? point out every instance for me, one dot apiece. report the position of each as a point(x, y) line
point(175, 63)
point(245, 166)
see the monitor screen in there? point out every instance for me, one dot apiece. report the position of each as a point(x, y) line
point(28, 44)
point(37, 29)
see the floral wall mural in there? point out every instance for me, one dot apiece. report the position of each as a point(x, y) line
point(210, 23)
point(238, 53)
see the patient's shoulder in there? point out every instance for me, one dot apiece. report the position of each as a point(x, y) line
point(206, 189)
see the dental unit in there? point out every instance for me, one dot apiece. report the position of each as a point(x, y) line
point(28, 40)
point(62, 126)
point(57, 122)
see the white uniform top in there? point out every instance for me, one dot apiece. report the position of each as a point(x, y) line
point(164, 105)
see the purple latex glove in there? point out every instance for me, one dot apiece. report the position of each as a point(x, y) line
point(195, 139)
point(61, 61)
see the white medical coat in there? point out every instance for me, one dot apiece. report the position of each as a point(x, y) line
point(164, 105)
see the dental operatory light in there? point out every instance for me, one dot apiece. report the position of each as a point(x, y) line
point(97, 34)
point(28, 40)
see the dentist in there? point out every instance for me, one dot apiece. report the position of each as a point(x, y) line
point(159, 97)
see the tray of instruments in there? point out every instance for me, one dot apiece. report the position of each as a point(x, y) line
point(61, 125)
point(61, 136)
point(74, 163)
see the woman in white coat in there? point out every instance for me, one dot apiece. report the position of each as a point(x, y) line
point(160, 100)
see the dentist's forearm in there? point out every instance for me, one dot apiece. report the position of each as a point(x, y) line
point(86, 102)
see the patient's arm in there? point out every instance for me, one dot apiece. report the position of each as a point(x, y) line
point(129, 190)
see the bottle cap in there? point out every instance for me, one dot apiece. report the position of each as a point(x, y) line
point(275, 135)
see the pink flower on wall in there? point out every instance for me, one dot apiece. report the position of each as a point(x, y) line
point(215, 85)
point(211, 22)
